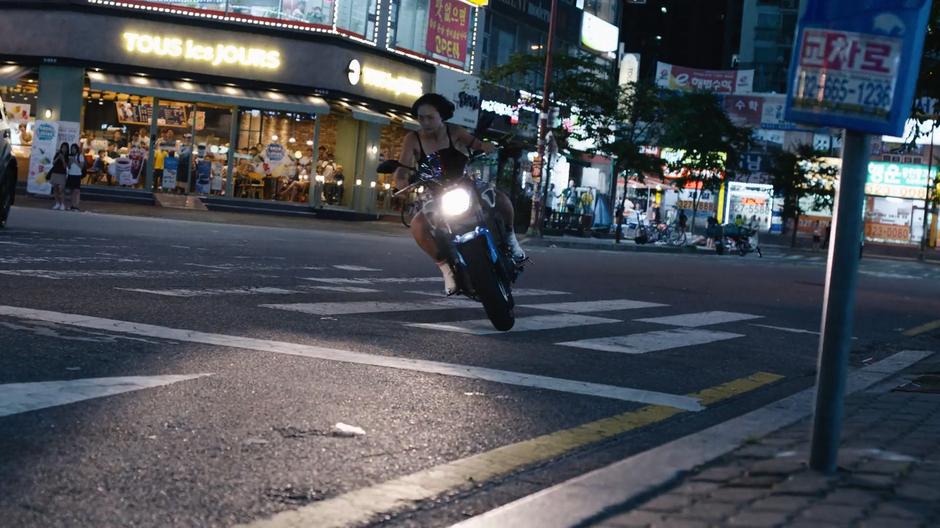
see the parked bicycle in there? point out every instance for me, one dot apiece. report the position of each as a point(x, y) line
point(411, 208)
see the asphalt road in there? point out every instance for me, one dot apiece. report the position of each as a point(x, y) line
point(159, 372)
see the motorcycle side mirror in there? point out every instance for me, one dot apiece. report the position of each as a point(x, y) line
point(388, 166)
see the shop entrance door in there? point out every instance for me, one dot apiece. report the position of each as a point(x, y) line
point(173, 156)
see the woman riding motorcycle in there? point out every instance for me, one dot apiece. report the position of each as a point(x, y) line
point(449, 145)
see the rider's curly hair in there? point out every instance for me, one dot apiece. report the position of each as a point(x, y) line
point(438, 101)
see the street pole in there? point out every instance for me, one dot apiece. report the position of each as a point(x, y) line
point(541, 186)
point(839, 303)
point(924, 234)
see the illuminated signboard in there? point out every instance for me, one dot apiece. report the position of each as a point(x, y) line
point(899, 180)
point(383, 80)
point(211, 53)
point(598, 35)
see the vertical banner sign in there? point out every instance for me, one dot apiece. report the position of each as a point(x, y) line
point(857, 68)
point(448, 29)
point(45, 134)
point(171, 165)
point(203, 176)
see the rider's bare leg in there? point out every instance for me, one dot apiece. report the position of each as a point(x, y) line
point(505, 210)
point(421, 231)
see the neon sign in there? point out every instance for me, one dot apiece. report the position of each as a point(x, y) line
point(214, 54)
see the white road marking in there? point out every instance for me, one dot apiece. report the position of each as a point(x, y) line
point(89, 274)
point(396, 280)
point(610, 305)
point(18, 398)
point(523, 324)
point(652, 341)
point(337, 280)
point(785, 329)
point(521, 292)
point(700, 319)
point(361, 307)
point(345, 289)
point(347, 356)
point(354, 268)
point(220, 291)
point(79, 260)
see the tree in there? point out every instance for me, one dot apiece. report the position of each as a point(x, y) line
point(697, 126)
point(800, 174)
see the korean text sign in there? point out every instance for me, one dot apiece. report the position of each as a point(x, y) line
point(448, 29)
point(855, 68)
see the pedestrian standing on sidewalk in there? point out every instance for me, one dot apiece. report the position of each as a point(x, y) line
point(58, 175)
point(76, 172)
point(817, 235)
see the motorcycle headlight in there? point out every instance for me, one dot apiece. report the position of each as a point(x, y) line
point(455, 202)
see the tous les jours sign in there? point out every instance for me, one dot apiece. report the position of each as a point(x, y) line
point(213, 53)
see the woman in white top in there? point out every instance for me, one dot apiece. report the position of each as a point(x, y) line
point(75, 171)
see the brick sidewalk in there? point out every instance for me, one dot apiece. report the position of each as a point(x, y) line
point(889, 476)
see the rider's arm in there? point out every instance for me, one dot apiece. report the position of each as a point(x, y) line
point(407, 159)
point(474, 143)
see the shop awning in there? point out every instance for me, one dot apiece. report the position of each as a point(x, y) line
point(209, 93)
point(10, 74)
point(370, 117)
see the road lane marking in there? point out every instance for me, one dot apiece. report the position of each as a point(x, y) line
point(182, 292)
point(380, 280)
point(700, 319)
point(922, 329)
point(346, 289)
point(346, 267)
point(18, 398)
point(521, 292)
point(523, 324)
point(609, 305)
point(520, 379)
point(92, 274)
point(362, 505)
point(652, 341)
point(337, 280)
point(365, 307)
point(785, 329)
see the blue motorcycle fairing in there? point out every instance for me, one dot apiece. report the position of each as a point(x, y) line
point(460, 240)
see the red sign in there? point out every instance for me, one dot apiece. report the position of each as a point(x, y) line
point(715, 81)
point(844, 51)
point(448, 29)
point(744, 110)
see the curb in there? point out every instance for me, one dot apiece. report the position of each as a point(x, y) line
point(584, 498)
point(624, 246)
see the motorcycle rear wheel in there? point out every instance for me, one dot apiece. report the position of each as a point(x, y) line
point(496, 298)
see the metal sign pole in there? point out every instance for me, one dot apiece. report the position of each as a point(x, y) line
point(839, 303)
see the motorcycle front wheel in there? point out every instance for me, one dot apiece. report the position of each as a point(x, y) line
point(495, 296)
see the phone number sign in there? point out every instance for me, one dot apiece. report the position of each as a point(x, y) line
point(857, 69)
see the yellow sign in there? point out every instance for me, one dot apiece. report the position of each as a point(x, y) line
point(478, 3)
point(391, 83)
point(212, 53)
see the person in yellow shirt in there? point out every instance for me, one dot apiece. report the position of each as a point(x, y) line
point(158, 156)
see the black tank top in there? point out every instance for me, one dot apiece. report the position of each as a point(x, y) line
point(452, 160)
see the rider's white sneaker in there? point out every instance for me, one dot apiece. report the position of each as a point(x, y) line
point(518, 254)
point(450, 281)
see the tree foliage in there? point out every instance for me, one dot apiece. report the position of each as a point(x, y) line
point(800, 174)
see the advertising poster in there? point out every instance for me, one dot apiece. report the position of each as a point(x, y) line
point(715, 81)
point(16, 112)
point(310, 11)
point(203, 176)
point(45, 134)
point(170, 167)
point(448, 28)
point(464, 91)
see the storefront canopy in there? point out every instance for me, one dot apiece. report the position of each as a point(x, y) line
point(208, 93)
point(10, 75)
point(370, 117)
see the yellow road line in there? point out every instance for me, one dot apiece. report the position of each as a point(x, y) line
point(917, 330)
point(363, 504)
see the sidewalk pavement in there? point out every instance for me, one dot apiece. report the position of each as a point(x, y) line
point(888, 476)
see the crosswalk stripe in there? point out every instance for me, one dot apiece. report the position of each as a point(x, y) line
point(337, 280)
point(651, 341)
point(521, 292)
point(182, 292)
point(345, 289)
point(379, 280)
point(346, 267)
point(361, 307)
point(609, 305)
point(700, 318)
point(523, 324)
point(520, 379)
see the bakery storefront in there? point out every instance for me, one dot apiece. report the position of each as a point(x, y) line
point(192, 107)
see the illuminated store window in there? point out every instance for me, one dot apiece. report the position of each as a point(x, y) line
point(357, 17)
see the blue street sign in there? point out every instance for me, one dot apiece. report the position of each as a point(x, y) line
point(855, 64)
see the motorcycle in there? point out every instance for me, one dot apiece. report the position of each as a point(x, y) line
point(466, 227)
point(737, 238)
